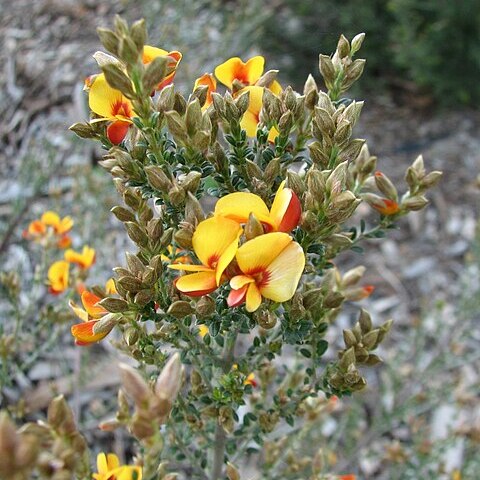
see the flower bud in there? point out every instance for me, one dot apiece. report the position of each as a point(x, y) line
point(107, 322)
point(253, 227)
point(134, 385)
point(180, 309)
point(232, 472)
point(386, 186)
point(176, 125)
point(353, 276)
point(118, 80)
point(170, 379)
point(157, 178)
point(205, 306)
point(136, 234)
point(415, 203)
point(154, 73)
point(183, 238)
point(357, 43)
point(327, 70)
point(176, 195)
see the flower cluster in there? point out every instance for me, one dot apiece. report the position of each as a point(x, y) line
point(252, 193)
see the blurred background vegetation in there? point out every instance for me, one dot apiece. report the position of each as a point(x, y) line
point(420, 417)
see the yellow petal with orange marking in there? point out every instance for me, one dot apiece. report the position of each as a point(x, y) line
point(239, 205)
point(235, 69)
point(197, 284)
point(257, 254)
point(254, 298)
point(89, 301)
point(149, 53)
point(83, 333)
point(215, 242)
point(208, 80)
point(37, 228)
point(107, 102)
point(283, 273)
point(78, 311)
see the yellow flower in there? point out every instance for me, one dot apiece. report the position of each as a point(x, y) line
point(85, 259)
point(282, 217)
point(215, 243)
point(208, 80)
point(112, 106)
point(90, 314)
point(251, 117)
point(247, 73)
point(149, 53)
point(271, 267)
point(51, 223)
point(109, 468)
point(58, 275)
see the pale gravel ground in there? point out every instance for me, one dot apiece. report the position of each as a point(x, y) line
point(46, 47)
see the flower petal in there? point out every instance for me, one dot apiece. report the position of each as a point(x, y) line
point(117, 131)
point(254, 69)
point(283, 273)
point(208, 80)
point(189, 268)
point(50, 218)
point(214, 239)
point(228, 71)
point(254, 297)
point(89, 301)
point(239, 205)
point(240, 280)
point(58, 275)
point(197, 284)
point(149, 53)
point(256, 255)
point(286, 209)
point(236, 297)
point(83, 333)
point(78, 311)
point(102, 98)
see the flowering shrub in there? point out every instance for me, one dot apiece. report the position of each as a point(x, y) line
point(218, 298)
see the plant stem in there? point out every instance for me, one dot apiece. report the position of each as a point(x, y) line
point(220, 435)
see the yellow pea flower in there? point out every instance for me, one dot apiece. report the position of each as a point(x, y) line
point(208, 80)
point(149, 53)
point(112, 106)
point(215, 243)
point(271, 267)
point(85, 259)
point(109, 468)
point(90, 314)
point(58, 275)
point(50, 223)
point(110, 287)
point(234, 68)
point(282, 217)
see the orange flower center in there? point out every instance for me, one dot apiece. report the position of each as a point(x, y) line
point(121, 108)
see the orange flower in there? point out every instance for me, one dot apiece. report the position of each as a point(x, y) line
point(347, 477)
point(90, 314)
point(208, 80)
point(247, 73)
point(112, 106)
point(85, 259)
point(215, 243)
point(149, 53)
point(282, 217)
point(271, 266)
point(58, 275)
